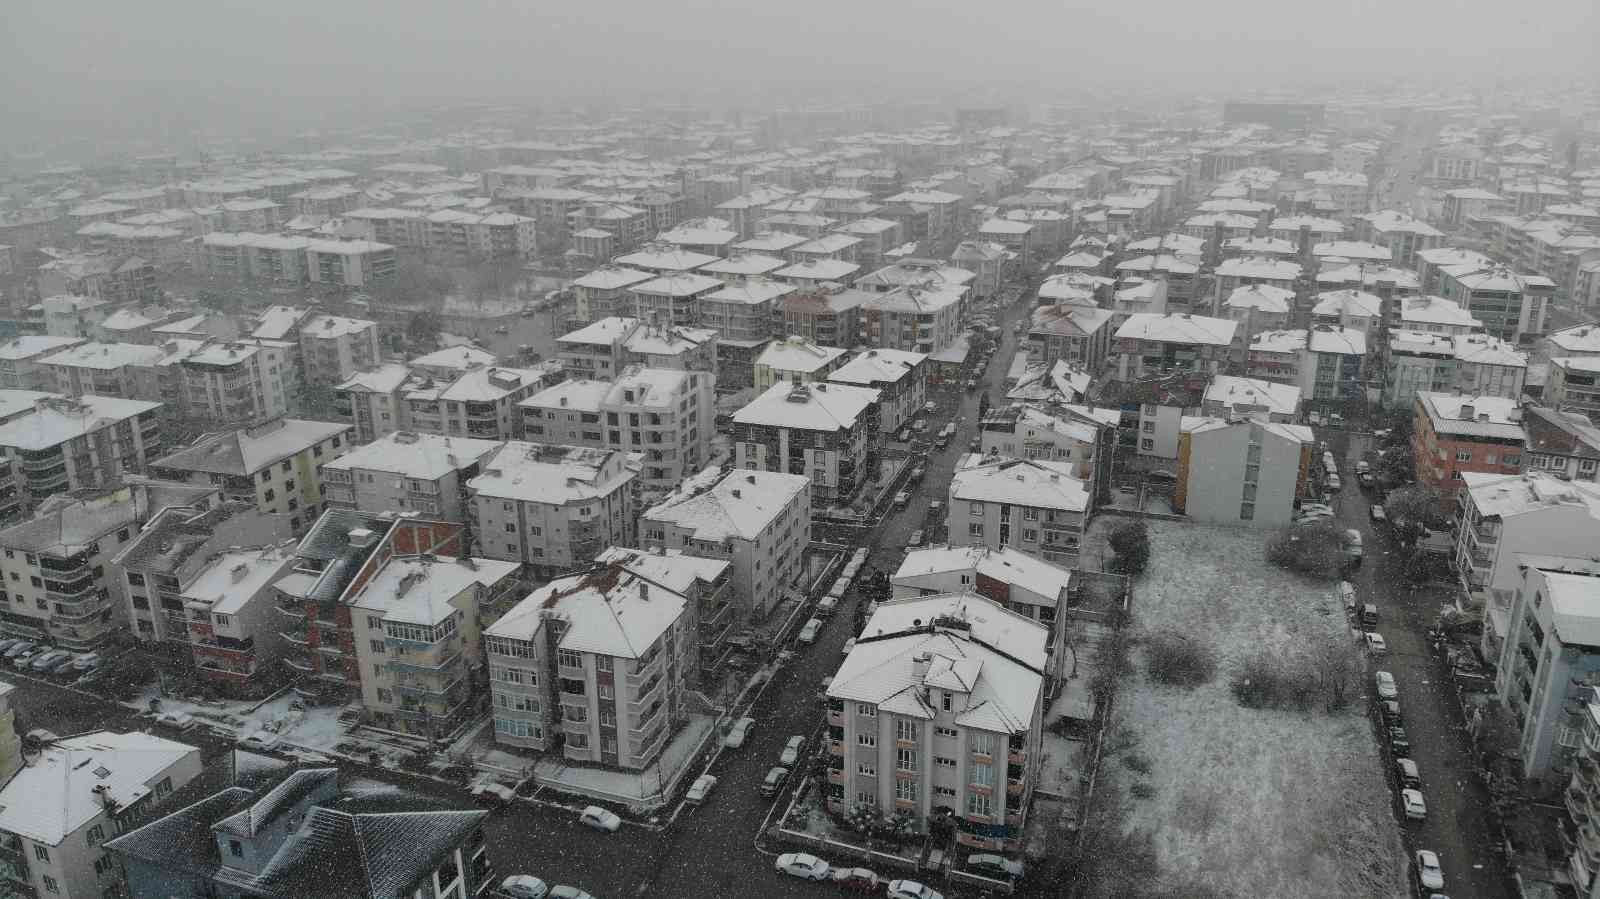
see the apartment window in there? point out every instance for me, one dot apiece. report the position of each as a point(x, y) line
point(570, 659)
point(511, 527)
point(1463, 455)
point(378, 647)
point(905, 759)
point(945, 792)
point(1147, 444)
point(944, 762)
point(578, 741)
point(865, 710)
point(975, 529)
point(975, 508)
point(387, 696)
point(607, 691)
point(905, 790)
point(96, 835)
point(1515, 459)
point(947, 700)
point(905, 730)
point(983, 775)
point(983, 743)
point(1148, 427)
point(867, 740)
point(980, 804)
point(1029, 535)
point(866, 797)
point(1247, 511)
point(1030, 514)
point(41, 853)
point(867, 770)
point(608, 718)
point(50, 885)
point(946, 732)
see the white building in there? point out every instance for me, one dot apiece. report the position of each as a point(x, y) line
point(333, 348)
point(1155, 345)
point(900, 377)
point(66, 443)
point(1245, 473)
point(1353, 309)
point(1435, 315)
point(480, 403)
point(241, 382)
point(795, 360)
point(1332, 363)
point(1501, 517)
point(405, 471)
point(22, 365)
point(1230, 397)
point(1036, 506)
point(552, 507)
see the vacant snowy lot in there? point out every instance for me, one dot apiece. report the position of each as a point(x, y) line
point(1251, 802)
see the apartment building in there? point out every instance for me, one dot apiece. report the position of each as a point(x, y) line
point(607, 346)
point(628, 225)
point(759, 521)
point(740, 265)
point(795, 360)
point(1037, 506)
point(300, 834)
point(373, 401)
point(1402, 235)
point(1244, 271)
point(1346, 190)
point(1333, 363)
point(1453, 434)
point(480, 403)
point(1417, 361)
point(665, 415)
point(97, 786)
point(673, 299)
point(1149, 345)
point(408, 472)
point(829, 315)
point(1241, 473)
point(624, 647)
point(245, 256)
point(349, 263)
point(276, 465)
point(821, 430)
point(1258, 308)
point(745, 310)
point(1076, 333)
point(1015, 581)
point(1500, 518)
point(1230, 397)
point(1354, 310)
point(67, 443)
point(1550, 660)
point(551, 506)
point(936, 694)
point(1511, 306)
point(126, 370)
point(241, 382)
point(22, 361)
point(912, 319)
point(1432, 315)
point(1564, 444)
point(334, 348)
point(1573, 385)
point(230, 602)
point(116, 280)
point(900, 378)
point(415, 628)
point(987, 259)
point(604, 292)
point(1179, 273)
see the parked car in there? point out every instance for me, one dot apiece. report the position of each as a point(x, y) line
point(1399, 742)
point(24, 658)
point(990, 865)
point(827, 605)
point(791, 751)
point(1386, 685)
point(600, 819)
point(738, 733)
point(1412, 803)
point(10, 642)
point(86, 661)
point(809, 631)
point(901, 499)
point(911, 889)
point(1378, 515)
point(776, 777)
point(1352, 546)
point(915, 539)
point(700, 789)
point(568, 892)
point(904, 435)
point(1347, 593)
point(1376, 645)
point(1389, 711)
point(47, 661)
point(1362, 467)
point(1429, 874)
point(1334, 483)
point(524, 886)
point(930, 407)
point(849, 645)
point(918, 472)
point(1406, 771)
point(491, 793)
point(1366, 480)
point(803, 865)
point(861, 880)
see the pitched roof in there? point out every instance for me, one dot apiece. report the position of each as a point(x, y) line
point(813, 407)
point(60, 791)
point(739, 505)
point(252, 449)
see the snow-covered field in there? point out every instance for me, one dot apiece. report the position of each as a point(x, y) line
point(1251, 802)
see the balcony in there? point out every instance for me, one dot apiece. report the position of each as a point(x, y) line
point(836, 717)
point(409, 663)
point(304, 666)
point(295, 613)
point(296, 637)
point(428, 690)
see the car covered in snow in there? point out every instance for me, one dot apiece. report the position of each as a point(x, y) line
point(700, 789)
point(861, 880)
point(524, 886)
point(989, 864)
point(599, 819)
point(776, 777)
point(1386, 685)
point(791, 751)
point(1376, 645)
point(808, 632)
point(1412, 803)
point(1429, 873)
point(803, 865)
point(911, 889)
point(738, 733)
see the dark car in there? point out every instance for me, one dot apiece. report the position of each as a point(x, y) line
point(1390, 710)
point(774, 781)
point(1399, 743)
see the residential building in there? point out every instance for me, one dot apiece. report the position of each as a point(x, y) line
point(349, 263)
point(127, 370)
point(1228, 397)
point(607, 346)
point(97, 785)
point(55, 564)
point(1243, 271)
point(987, 259)
point(1180, 273)
point(230, 602)
point(1578, 340)
point(1453, 434)
point(114, 280)
point(407, 472)
point(1574, 385)
point(67, 443)
point(740, 265)
point(1059, 433)
point(1039, 507)
point(815, 273)
point(1353, 310)
point(1433, 315)
point(1258, 308)
point(938, 692)
point(926, 274)
point(795, 360)
point(1431, 265)
point(135, 324)
point(300, 834)
point(664, 415)
point(1487, 365)
point(1582, 794)
point(912, 319)
point(1333, 363)
point(1564, 444)
point(901, 379)
point(1502, 518)
point(373, 401)
point(1079, 335)
point(1015, 581)
point(275, 466)
point(624, 648)
point(1150, 345)
point(706, 585)
point(759, 521)
point(241, 382)
point(745, 315)
point(1398, 232)
point(333, 348)
point(604, 292)
point(416, 633)
point(1417, 361)
point(828, 315)
point(1386, 281)
point(1276, 356)
point(1510, 305)
point(821, 430)
point(550, 506)
point(1242, 472)
point(22, 361)
point(480, 403)
point(1138, 296)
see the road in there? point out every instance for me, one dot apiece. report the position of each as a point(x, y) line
point(1403, 169)
point(1458, 805)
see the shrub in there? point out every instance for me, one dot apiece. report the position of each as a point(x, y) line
point(1137, 762)
point(1298, 681)
point(1141, 790)
point(1177, 660)
point(1315, 548)
point(1131, 542)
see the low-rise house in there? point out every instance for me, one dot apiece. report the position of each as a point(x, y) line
point(551, 506)
point(1453, 434)
point(1036, 506)
point(275, 465)
point(302, 835)
point(1150, 345)
point(901, 379)
point(96, 786)
point(822, 430)
point(795, 360)
point(936, 693)
point(1564, 444)
point(1241, 472)
point(1573, 384)
point(67, 443)
point(407, 472)
point(759, 521)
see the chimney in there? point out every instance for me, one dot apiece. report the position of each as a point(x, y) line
point(919, 666)
point(736, 494)
point(361, 538)
point(1467, 412)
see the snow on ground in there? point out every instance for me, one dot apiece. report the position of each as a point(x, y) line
point(634, 787)
point(1252, 803)
point(275, 725)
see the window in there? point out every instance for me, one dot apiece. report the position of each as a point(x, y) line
point(41, 853)
point(867, 770)
point(578, 741)
point(375, 622)
point(96, 835)
point(1149, 427)
point(983, 743)
point(1463, 455)
point(865, 710)
point(944, 762)
point(50, 885)
point(1247, 511)
point(236, 849)
point(980, 804)
point(1147, 445)
point(905, 730)
point(1512, 459)
point(387, 696)
point(569, 659)
point(867, 740)
point(905, 759)
point(603, 663)
point(511, 527)
point(949, 732)
point(975, 508)
point(1029, 535)
point(945, 792)
point(983, 775)
point(975, 529)
point(865, 797)
point(1030, 514)
point(286, 466)
point(608, 718)
point(947, 700)
point(607, 691)
point(378, 647)
point(905, 790)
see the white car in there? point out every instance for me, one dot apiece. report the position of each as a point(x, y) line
point(849, 645)
point(791, 751)
point(598, 818)
point(1378, 514)
point(737, 733)
point(700, 789)
point(808, 633)
point(568, 892)
point(1376, 645)
point(1411, 800)
point(86, 661)
point(524, 886)
point(915, 539)
point(1347, 592)
point(1386, 685)
point(803, 865)
point(911, 889)
point(1334, 484)
point(1428, 871)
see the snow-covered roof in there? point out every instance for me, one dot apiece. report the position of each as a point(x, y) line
point(579, 395)
point(418, 589)
point(958, 642)
point(771, 242)
point(55, 420)
point(922, 273)
point(1579, 340)
point(1259, 267)
point(677, 284)
point(1370, 276)
point(1436, 311)
point(330, 327)
point(609, 610)
point(1506, 495)
point(277, 322)
point(612, 277)
point(826, 244)
point(1021, 482)
point(385, 378)
point(64, 788)
point(1177, 327)
point(1313, 223)
point(750, 291)
point(700, 232)
point(877, 366)
point(1485, 349)
point(739, 505)
point(1348, 302)
point(811, 407)
point(662, 258)
point(550, 473)
point(248, 451)
point(1335, 339)
point(408, 454)
point(28, 346)
point(1260, 246)
point(1264, 297)
point(818, 269)
point(744, 264)
point(1234, 392)
point(915, 300)
point(1391, 220)
point(1469, 415)
point(1290, 341)
point(1352, 249)
point(1574, 607)
point(650, 340)
point(458, 358)
point(798, 354)
point(1412, 342)
point(227, 581)
point(1165, 262)
point(106, 356)
point(481, 385)
point(1500, 278)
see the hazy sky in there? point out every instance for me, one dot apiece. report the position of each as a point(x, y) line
point(63, 61)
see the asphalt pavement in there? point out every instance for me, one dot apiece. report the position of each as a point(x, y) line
point(1458, 803)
